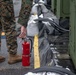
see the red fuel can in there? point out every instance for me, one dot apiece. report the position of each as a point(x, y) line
point(26, 54)
point(26, 48)
point(25, 60)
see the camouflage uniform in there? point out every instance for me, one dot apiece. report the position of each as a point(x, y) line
point(25, 12)
point(7, 21)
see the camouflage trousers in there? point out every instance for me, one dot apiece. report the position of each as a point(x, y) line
point(7, 21)
point(10, 38)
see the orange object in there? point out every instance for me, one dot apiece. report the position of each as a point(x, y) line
point(3, 33)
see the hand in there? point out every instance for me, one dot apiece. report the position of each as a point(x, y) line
point(23, 32)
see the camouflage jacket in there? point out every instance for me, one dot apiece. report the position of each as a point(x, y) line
point(25, 12)
point(6, 12)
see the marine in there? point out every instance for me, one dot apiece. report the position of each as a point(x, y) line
point(7, 21)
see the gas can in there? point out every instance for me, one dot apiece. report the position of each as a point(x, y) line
point(26, 48)
point(26, 54)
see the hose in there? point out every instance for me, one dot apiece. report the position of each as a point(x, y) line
point(55, 25)
point(58, 70)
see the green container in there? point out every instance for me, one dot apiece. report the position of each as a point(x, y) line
point(62, 8)
point(53, 5)
point(72, 34)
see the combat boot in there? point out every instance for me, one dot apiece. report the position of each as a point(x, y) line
point(12, 59)
point(2, 59)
